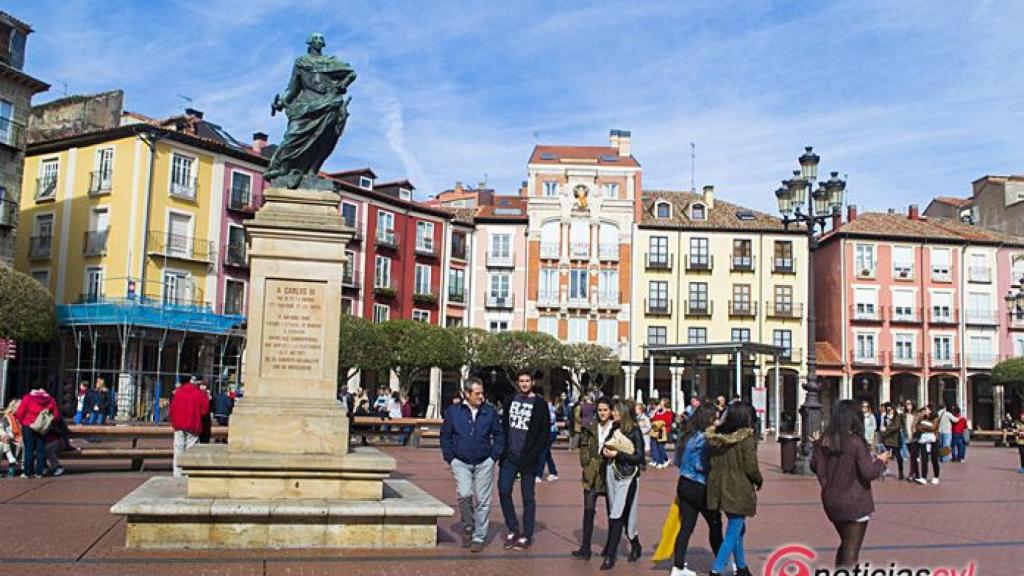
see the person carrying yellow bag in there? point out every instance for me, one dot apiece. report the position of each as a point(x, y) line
point(691, 496)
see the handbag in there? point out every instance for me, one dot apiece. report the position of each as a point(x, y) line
point(43, 422)
point(620, 443)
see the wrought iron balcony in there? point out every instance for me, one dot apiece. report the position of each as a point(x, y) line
point(865, 312)
point(743, 263)
point(981, 317)
point(743, 309)
point(699, 308)
point(458, 297)
point(866, 358)
point(658, 307)
point(95, 242)
point(40, 247)
point(784, 266)
point(235, 255)
point(548, 299)
point(100, 182)
point(12, 134)
point(944, 361)
point(500, 301)
point(387, 238)
point(240, 200)
point(943, 315)
point(905, 314)
point(357, 229)
point(905, 360)
point(186, 190)
point(659, 260)
point(426, 247)
point(785, 310)
point(169, 245)
point(700, 263)
point(350, 280)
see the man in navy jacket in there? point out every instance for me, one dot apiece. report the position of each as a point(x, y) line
point(472, 441)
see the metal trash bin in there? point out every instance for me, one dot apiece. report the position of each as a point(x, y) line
point(788, 444)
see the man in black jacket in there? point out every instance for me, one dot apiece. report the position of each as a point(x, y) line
point(527, 427)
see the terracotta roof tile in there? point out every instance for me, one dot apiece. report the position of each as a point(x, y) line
point(510, 208)
point(596, 155)
point(723, 216)
point(877, 224)
point(958, 202)
point(826, 355)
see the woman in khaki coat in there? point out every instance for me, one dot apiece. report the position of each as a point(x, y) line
point(592, 439)
point(734, 480)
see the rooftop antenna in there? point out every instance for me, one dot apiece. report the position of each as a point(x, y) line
point(536, 137)
point(187, 100)
point(485, 179)
point(64, 84)
point(693, 167)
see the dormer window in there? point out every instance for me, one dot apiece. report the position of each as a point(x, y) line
point(366, 183)
point(698, 212)
point(405, 194)
point(663, 210)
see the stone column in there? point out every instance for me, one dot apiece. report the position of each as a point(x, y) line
point(630, 372)
point(434, 409)
point(884, 389)
point(677, 382)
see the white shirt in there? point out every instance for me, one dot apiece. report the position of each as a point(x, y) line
point(603, 432)
point(472, 412)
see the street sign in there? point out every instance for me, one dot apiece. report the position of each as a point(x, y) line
point(8, 349)
point(759, 398)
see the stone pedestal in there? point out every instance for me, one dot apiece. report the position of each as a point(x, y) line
point(286, 477)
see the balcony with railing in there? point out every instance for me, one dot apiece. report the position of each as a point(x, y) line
point(426, 247)
point(8, 213)
point(350, 280)
point(550, 250)
point(979, 274)
point(981, 317)
point(905, 360)
point(742, 309)
point(167, 245)
point(95, 242)
point(865, 312)
point(387, 238)
point(548, 299)
point(942, 315)
point(579, 250)
point(742, 263)
point(1015, 318)
point(608, 300)
point(659, 260)
point(784, 310)
point(500, 260)
point(791, 356)
point(39, 247)
point(699, 263)
point(240, 200)
point(783, 265)
point(46, 189)
point(698, 308)
point(981, 360)
point(867, 358)
point(578, 301)
point(12, 134)
point(235, 255)
point(500, 301)
point(904, 314)
point(100, 182)
point(608, 251)
point(425, 296)
point(944, 361)
point(185, 189)
point(658, 307)
point(385, 290)
point(357, 228)
point(457, 297)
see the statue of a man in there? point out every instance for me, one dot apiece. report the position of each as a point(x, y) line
point(317, 110)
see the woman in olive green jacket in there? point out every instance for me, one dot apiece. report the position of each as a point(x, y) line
point(592, 439)
point(734, 480)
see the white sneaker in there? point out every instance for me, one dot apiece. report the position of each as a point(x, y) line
point(58, 471)
point(538, 479)
point(684, 572)
point(920, 480)
point(935, 480)
point(552, 477)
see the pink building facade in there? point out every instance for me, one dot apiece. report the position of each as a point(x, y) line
point(243, 195)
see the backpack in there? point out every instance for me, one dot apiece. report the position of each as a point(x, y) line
point(43, 422)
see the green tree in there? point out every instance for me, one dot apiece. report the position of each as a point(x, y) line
point(515, 350)
point(596, 361)
point(473, 342)
point(27, 310)
point(361, 346)
point(1010, 373)
point(413, 348)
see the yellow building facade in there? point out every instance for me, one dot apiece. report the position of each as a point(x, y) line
point(707, 272)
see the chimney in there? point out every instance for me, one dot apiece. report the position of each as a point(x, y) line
point(193, 113)
point(709, 196)
point(481, 185)
point(892, 211)
point(458, 185)
point(613, 139)
point(259, 142)
point(624, 143)
point(523, 188)
point(851, 212)
point(912, 213)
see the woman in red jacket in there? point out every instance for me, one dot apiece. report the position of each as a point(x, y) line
point(35, 443)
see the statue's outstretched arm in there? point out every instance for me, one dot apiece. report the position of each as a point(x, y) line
point(294, 87)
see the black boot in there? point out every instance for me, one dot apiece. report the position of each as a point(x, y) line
point(635, 551)
point(588, 534)
point(612, 546)
point(745, 571)
point(609, 562)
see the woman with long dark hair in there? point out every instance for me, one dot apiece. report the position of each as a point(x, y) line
point(622, 479)
point(846, 466)
point(694, 461)
point(734, 481)
point(592, 437)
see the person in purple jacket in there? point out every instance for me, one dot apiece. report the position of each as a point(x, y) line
point(846, 466)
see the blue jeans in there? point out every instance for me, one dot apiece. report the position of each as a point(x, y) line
point(35, 452)
point(959, 448)
point(97, 417)
point(946, 441)
point(547, 458)
point(732, 545)
point(506, 480)
point(658, 454)
point(78, 417)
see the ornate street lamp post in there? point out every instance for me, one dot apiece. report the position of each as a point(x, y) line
point(825, 202)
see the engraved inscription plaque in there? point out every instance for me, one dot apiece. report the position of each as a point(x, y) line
point(293, 329)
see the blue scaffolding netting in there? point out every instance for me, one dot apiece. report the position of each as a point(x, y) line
point(148, 312)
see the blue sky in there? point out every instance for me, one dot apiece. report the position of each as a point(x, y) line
point(908, 99)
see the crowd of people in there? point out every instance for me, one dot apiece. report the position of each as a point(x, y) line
point(617, 440)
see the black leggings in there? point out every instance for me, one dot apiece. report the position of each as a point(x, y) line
point(589, 511)
point(929, 451)
point(896, 453)
point(616, 525)
point(851, 538)
point(1020, 451)
point(691, 497)
point(914, 450)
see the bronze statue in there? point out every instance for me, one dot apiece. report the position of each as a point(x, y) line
point(317, 110)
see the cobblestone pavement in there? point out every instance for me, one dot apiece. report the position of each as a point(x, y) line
point(63, 526)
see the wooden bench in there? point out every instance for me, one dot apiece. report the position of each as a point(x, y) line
point(132, 451)
point(416, 428)
point(1005, 438)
